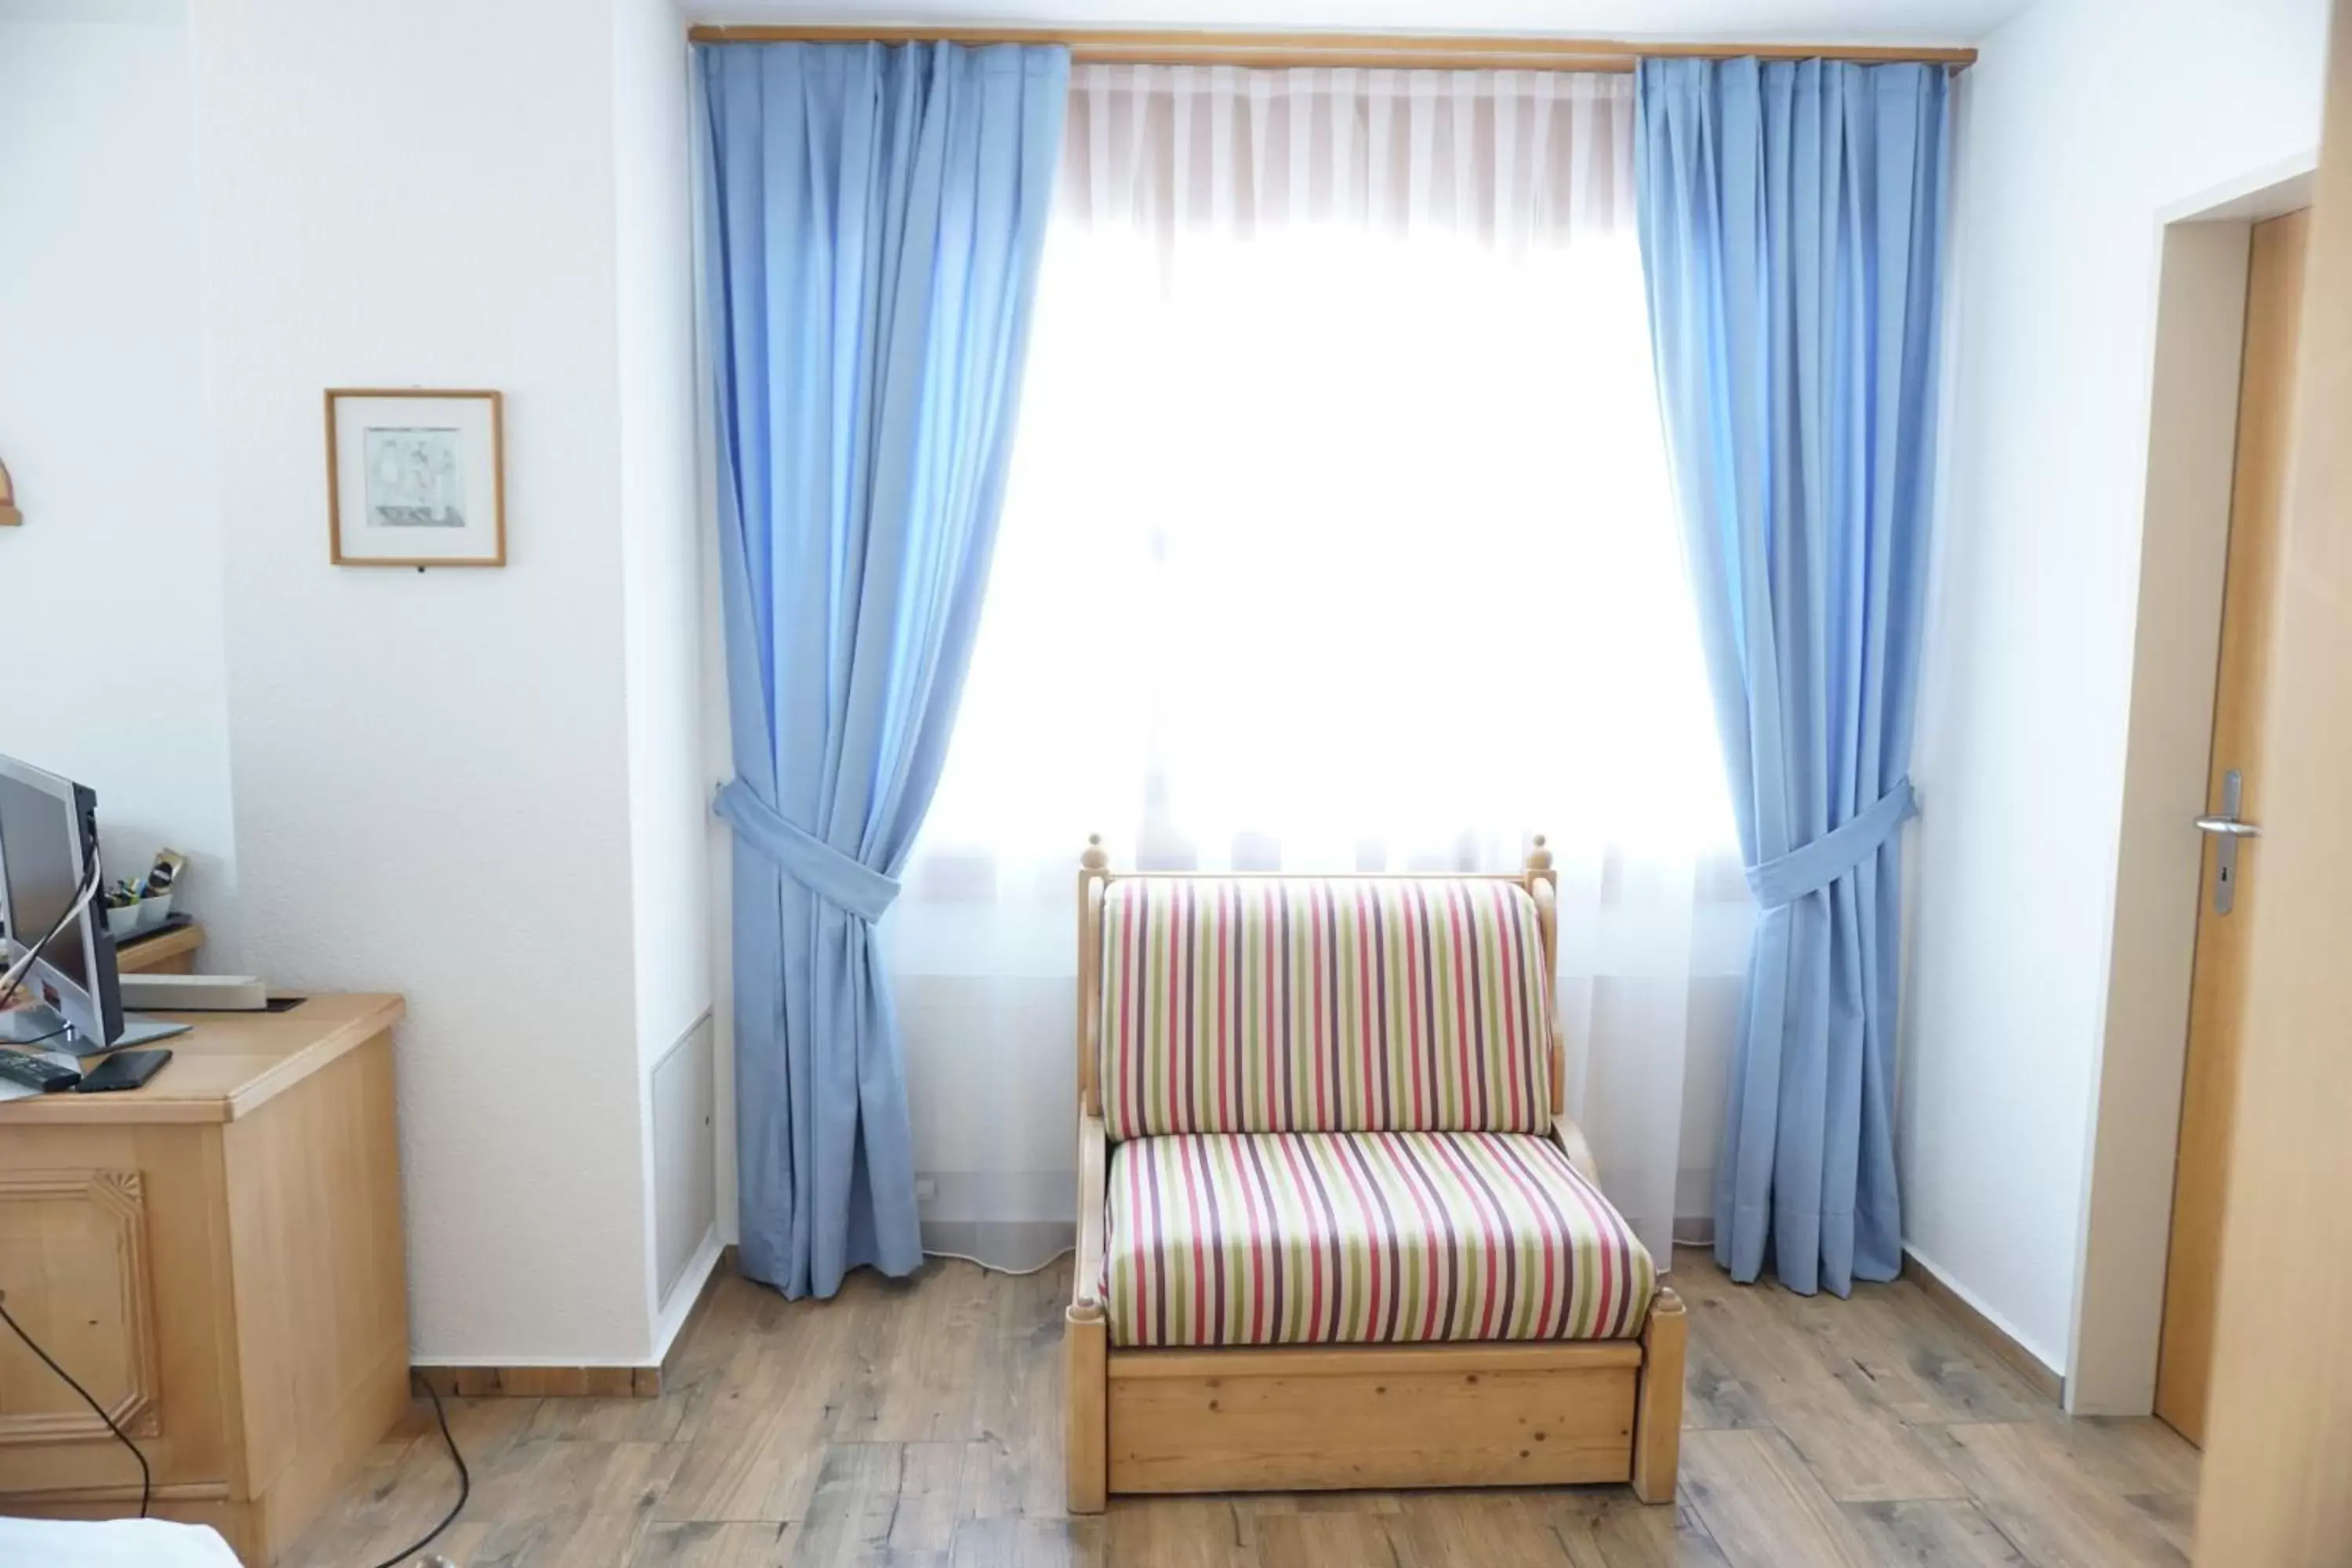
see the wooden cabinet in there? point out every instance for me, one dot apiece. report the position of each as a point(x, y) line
point(218, 1258)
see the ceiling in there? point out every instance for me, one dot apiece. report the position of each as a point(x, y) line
point(1742, 21)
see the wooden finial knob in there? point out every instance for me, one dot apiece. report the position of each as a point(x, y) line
point(1539, 857)
point(1094, 860)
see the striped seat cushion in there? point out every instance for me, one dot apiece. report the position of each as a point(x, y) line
point(1294, 1005)
point(1364, 1238)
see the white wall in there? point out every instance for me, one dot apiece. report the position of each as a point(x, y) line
point(109, 595)
point(2086, 120)
point(433, 784)
point(476, 788)
point(661, 538)
point(662, 600)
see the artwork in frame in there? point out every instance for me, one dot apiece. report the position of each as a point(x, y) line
point(416, 478)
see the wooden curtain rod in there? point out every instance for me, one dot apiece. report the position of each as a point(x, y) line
point(1419, 51)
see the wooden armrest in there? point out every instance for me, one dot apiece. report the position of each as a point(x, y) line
point(1565, 1132)
point(1570, 1138)
point(1090, 902)
point(1093, 1188)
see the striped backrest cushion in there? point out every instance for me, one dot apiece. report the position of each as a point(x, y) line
point(1297, 1004)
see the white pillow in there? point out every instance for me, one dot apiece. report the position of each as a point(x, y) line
point(111, 1544)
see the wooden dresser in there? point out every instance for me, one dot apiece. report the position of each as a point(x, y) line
point(218, 1258)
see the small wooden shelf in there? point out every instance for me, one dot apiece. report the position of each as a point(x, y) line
point(170, 951)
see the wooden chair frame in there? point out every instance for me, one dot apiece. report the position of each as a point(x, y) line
point(1316, 1418)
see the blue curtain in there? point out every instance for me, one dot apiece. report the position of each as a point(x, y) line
point(872, 218)
point(1791, 223)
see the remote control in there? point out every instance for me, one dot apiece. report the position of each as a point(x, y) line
point(32, 1072)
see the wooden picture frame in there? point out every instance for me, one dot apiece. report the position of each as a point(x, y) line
point(409, 471)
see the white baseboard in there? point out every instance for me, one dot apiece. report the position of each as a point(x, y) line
point(680, 1305)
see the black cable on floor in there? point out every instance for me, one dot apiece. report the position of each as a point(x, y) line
point(465, 1488)
point(146, 1480)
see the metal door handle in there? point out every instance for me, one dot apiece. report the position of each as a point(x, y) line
point(2228, 829)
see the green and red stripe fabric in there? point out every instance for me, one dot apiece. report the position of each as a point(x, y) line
point(1364, 1238)
point(1280, 1004)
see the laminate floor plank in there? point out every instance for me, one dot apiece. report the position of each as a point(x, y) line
point(1934, 1535)
point(1814, 1392)
point(1180, 1532)
point(405, 1486)
point(917, 1423)
point(2059, 1514)
point(930, 1496)
point(1374, 1540)
point(1713, 1396)
point(1600, 1531)
point(584, 1502)
point(914, 1377)
point(709, 1543)
point(1762, 1506)
point(2174, 1513)
point(1014, 1469)
point(694, 1376)
point(757, 1452)
point(1004, 1542)
point(2135, 1456)
point(854, 1508)
point(1893, 1347)
point(1471, 1530)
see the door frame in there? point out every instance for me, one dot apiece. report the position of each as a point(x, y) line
point(2127, 1227)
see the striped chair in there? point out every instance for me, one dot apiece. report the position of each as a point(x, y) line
point(1334, 1227)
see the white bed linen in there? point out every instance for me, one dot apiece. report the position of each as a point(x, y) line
point(111, 1544)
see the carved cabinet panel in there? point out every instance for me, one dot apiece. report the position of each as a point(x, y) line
point(73, 1265)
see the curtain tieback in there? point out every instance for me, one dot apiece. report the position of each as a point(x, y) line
point(838, 879)
point(1809, 868)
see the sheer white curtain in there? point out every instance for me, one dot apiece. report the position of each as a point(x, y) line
point(1338, 537)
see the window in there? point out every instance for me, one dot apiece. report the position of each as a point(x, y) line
point(1337, 538)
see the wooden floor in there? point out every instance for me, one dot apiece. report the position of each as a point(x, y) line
point(920, 1424)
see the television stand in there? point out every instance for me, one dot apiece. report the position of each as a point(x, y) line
point(218, 1258)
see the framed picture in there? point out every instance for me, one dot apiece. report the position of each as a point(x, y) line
point(416, 478)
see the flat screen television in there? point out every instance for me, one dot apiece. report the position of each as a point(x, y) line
point(48, 855)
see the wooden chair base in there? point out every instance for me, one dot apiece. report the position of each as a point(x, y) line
point(1086, 1337)
point(1658, 1417)
point(1314, 1419)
